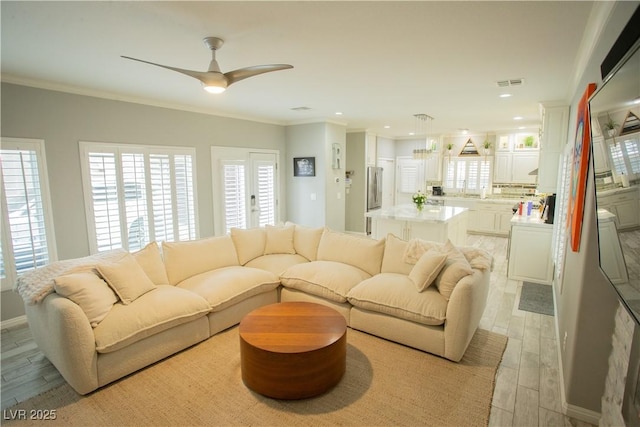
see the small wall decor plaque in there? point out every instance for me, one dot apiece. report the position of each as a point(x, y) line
point(304, 166)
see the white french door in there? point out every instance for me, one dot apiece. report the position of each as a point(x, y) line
point(245, 188)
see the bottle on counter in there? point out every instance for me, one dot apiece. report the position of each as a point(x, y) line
point(520, 208)
point(529, 207)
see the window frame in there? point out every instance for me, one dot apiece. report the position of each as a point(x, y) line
point(87, 148)
point(38, 146)
point(466, 188)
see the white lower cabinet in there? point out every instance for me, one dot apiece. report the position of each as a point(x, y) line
point(490, 218)
point(455, 229)
point(624, 205)
point(612, 260)
point(530, 253)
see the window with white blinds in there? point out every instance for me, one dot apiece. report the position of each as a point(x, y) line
point(625, 155)
point(138, 194)
point(467, 175)
point(27, 228)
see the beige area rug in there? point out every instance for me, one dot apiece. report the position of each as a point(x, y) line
point(386, 384)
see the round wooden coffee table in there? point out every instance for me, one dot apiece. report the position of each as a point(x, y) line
point(293, 350)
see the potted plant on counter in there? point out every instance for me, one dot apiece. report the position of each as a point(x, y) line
point(419, 199)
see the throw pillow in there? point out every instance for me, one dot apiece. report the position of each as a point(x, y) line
point(393, 258)
point(279, 240)
point(427, 268)
point(306, 240)
point(456, 267)
point(150, 260)
point(127, 279)
point(89, 291)
point(249, 243)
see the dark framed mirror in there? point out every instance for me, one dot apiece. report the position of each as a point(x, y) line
point(614, 110)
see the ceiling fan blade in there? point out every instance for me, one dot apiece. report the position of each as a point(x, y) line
point(243, 73)
point(196, 74)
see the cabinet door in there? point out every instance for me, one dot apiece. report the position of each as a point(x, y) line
point(432, 169)
point(530, 254)
point(627, 213)
point(522, 165)
point(600, 156)
point(382, 227)
point(503, 222)
point(612, 260)
point(502, 168)
point(482, 221)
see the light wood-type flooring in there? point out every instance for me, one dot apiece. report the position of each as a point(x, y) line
point(527, 389)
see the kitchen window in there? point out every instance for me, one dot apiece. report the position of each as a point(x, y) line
point(138, 194)
point(467, 175)
point(625, 155)
point(28, 240)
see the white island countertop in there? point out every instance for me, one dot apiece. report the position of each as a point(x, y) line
point(408, 212)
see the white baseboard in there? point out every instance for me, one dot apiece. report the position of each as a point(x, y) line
point(581, 414)
point(16, 321)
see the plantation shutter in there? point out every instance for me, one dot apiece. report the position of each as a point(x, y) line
point(410, 173)
point(27, 233)
point(138, 194)
point(265, 197)
point(233, 181)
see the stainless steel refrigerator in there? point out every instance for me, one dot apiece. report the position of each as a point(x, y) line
point(374, 192)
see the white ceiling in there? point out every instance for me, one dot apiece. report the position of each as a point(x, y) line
point(377, 62)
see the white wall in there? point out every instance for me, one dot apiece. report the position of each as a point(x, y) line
point(355, 197)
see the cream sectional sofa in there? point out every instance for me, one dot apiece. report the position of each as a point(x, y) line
point(105, 316)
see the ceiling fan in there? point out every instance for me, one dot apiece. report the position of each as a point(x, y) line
point(213, 80)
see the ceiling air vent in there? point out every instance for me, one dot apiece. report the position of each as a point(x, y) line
point(301, 109)
point(510, 82)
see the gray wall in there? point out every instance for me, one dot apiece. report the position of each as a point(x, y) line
point(355, 202)
point(328, 208)
point(586, 302)
point(62, 120)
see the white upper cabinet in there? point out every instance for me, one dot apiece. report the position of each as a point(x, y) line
point(555, 126)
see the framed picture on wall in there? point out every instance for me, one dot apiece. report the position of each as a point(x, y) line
point(304, 166)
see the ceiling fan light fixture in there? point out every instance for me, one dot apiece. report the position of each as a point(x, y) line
point(215, 89)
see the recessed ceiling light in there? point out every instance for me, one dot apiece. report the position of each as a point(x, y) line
point(464, 131)
point(387, 126)
point(338, 113)
point(518, 118)
point(521, 127)
point(505, 95)
point(412, 133)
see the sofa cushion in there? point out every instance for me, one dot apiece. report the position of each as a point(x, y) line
point(90, 292)
point(186, 259)
point(427, 268)
point(279, 240)
point(227, 286)
point(393, 257)
point(154, 312)
point(276, 263)
point(249, 243)
point(328, 279)
point(361, 252)
point(306, 240)
point(127, 279)
point(395, 294)
point(456, 267)
point(151, 262)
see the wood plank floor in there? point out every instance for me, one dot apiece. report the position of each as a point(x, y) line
point(527, 389)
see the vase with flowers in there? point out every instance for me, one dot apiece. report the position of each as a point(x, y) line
point(419, 199)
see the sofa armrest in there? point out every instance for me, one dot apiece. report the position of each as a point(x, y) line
point(464, 311)
point(63, 333)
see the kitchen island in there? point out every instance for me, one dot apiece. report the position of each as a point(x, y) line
point(435, 223)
